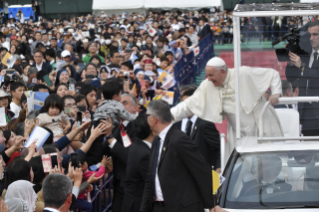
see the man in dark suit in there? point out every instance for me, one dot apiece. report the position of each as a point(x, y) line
point(38, 62)
point(57, 192)
point(137, 165)
point(303, 72)
point(267, 180)
point(203, 133)
point(204, 29)
point(119, 151)
point(179, 179)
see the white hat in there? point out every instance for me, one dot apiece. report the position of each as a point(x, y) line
point(216, 62)
point(3, 93)
point(65, 53)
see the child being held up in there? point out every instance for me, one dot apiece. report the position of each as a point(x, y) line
point(112, 106)
point(54, 118)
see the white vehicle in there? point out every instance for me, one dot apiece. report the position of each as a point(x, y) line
point(270, 173)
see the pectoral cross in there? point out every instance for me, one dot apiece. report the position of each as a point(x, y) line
point(223, 113)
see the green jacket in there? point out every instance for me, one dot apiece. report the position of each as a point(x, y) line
point(87, 58)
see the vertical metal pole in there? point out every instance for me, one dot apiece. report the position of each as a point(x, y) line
point(222, 151)
point(237, 63)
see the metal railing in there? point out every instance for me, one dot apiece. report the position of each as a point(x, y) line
point(102, 194)
point(222, 150)
point(248, 32)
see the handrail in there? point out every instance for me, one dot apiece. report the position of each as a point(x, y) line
point(284, 100)
point(222, 151)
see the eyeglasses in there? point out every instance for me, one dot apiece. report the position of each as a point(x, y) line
point(70, 105)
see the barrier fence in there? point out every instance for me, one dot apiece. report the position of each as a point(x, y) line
point(101, 195)
point(187, 68)
point(261, 32)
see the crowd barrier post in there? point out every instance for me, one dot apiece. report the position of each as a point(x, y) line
point(103, 186)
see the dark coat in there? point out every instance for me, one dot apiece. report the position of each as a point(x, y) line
point(136, 172)
point(46, 67)
point(206, 137)
point(308, 84)
point(184, 175)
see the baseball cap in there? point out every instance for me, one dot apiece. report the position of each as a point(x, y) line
point(53, 38)
point(65, 53)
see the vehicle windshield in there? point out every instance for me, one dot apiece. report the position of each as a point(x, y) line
point(274, 180)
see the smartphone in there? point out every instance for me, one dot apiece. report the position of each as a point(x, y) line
point(82, 108)
point(72, 87)
point(47, 80)
point(82, 66)
point(54, 160)
point(75, 160)
point(46, 162)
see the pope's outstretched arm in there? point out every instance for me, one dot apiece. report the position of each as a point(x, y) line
point(181, 111)
point(186, 108)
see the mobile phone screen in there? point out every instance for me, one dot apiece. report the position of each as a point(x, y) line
point(47, 80)
point(82, 108)
point(54, 160)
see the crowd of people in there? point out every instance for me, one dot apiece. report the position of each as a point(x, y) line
point(103, 79)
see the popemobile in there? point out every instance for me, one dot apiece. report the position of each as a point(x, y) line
point(271, 173)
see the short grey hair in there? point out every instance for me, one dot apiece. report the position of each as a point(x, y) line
point(133, 99)
point(67, 44)
point(17, 57)
point(19, 129)
point(161, 110)
point(32, 70)
point(220, 68)
point(56, 189)
point(285, 85)
point(187, 87)
point(33, 114)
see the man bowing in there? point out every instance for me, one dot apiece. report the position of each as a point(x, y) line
point(215, 99)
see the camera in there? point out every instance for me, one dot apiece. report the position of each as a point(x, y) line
point(126, 73)
point(298, 43)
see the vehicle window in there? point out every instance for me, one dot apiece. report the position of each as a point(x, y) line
point(274, 180)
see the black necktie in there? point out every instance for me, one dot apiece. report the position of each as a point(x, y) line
point(290, 106)
point(189, 127)
point(315, 55)
point(157, 144)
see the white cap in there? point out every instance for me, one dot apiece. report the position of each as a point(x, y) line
point(85, 40)
point(65, 53)
point(216, 62)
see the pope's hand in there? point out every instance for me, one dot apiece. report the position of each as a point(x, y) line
point(274, 99)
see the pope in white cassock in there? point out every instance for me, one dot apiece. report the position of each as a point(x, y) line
point(215, 98)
